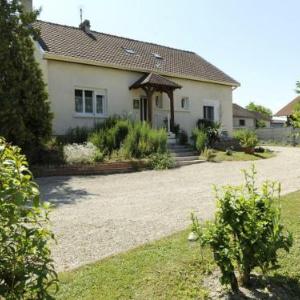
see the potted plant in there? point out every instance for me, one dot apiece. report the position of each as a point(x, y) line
point(247, 139)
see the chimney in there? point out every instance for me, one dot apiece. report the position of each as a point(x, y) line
point(86, 27)
point(27, 4)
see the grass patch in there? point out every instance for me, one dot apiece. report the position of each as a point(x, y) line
point(240, 156)
point(171, 268)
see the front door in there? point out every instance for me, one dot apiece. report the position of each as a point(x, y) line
point(144, 109)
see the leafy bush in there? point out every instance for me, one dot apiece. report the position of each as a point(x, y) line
point(26, 267)
point(208, 154)
point(247, 138)
point(161, 161)
point(143, 141)
point(211, 129)
point(182, 137)
point(107, 139)
point(77, 135)
point(228, 152)
point(199, 138)
point(82, 153)
point(51, 153)
point(247, 230)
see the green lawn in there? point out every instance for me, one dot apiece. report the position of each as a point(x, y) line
point(240, 156)
point(170, 268)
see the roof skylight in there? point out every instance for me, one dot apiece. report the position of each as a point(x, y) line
point(156, 55)
point(129, 51)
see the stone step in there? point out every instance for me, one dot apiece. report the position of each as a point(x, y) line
point(189, 162)
point(186, 158)
point(180, 150)
point(184, 153)
point(176, 146)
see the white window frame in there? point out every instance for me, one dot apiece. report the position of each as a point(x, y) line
point(187, 103)
point(217, 109)
point(96, 92)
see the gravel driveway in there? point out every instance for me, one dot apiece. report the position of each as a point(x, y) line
point(97, 216)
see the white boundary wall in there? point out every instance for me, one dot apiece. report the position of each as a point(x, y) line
point(284, 134)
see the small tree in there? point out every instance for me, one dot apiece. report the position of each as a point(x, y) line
point(260, 109)
point(247, 230)
point(25, 117)
point(26, 267)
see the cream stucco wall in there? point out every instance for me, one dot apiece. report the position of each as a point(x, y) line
point(64, 77)
point(249, 123)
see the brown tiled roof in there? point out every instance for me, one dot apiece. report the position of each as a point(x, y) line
point(108, 49)
point(288, 109)
point(155, 80)
point(239, 111)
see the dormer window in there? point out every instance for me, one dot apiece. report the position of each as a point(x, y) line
point(129, 51)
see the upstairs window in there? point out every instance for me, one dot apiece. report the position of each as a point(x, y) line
point(209, 113)
point(185, 103)
point(90, 102)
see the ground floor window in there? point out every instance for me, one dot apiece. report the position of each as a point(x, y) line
point(185, 103)
point(90, 102)
point(159, 101)
point(242, 122)
point(209, 113)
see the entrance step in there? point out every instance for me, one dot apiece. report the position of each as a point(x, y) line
point(189, 162)
point(184, 154)
point(186, 158)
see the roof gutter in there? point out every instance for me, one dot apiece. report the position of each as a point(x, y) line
point(70, 59)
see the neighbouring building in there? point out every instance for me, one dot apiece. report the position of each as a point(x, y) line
point(287, 110)
point(92, 75)
point(244, 118)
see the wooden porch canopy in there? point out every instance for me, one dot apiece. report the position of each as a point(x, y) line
point(153, 82)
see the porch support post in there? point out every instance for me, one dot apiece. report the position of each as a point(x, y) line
point(172, 119)
point(149, 93)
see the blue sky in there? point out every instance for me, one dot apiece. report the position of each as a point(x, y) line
point(254, 41)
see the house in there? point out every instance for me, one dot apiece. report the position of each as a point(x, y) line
point(287, 110)
point(244, 118)
point(92, 75)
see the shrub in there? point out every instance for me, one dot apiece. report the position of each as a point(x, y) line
point(161, 161)
point(25, 117)
point(247, 138)
point(211, 129)
point(199, 138)
point(77, 135)
point(81, 153)
point(143, 141)
point(208, 154)
point(26, 267)
point(247, 230)
point(51, 153)
point(107, 139)
point(182, 137)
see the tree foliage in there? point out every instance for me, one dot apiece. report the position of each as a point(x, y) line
point(247, 230)
point(26, 267)
point(260, 109)
point(25, 117)
point(298, 87)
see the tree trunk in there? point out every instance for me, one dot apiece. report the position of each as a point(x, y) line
point(234, 283)
point(245, 277)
